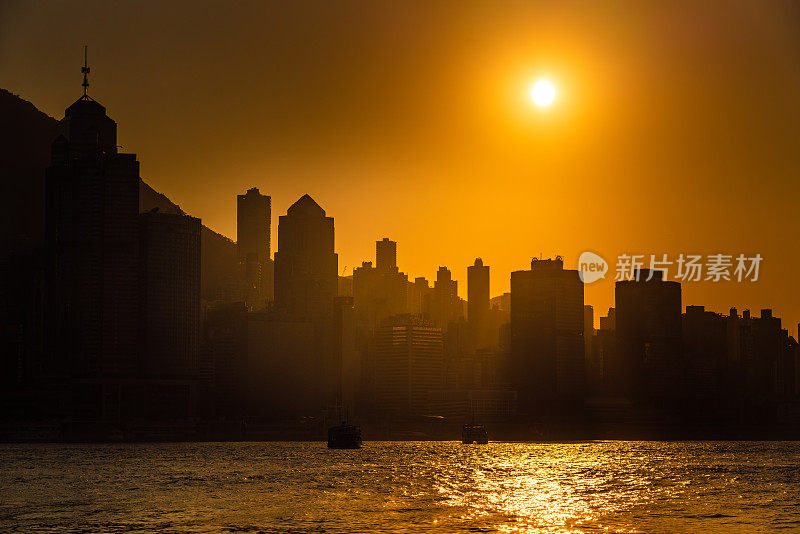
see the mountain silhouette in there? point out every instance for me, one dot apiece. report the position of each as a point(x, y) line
point(25, 141)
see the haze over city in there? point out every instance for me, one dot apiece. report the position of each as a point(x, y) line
point(414, 121)
point(439, 266)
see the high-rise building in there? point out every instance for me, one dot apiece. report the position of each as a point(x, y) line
point(408, 364)
point(169, 294)
point(281, 381)
point(380, 292)
point(588, 331)
point(306, 277)
point(603, 356)
point(386, 255)
point(478, 304)
point(648, 336)
point(445, 306)
point(253, 220)
point(547, 346)
point(225, 365)
point(419, 296)
point(92, 208)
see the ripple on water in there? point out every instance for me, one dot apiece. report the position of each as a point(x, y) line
point(401, 487)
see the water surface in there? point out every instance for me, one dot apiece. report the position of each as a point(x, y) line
point(654, 487)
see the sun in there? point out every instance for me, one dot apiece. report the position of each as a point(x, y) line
point(543, 93)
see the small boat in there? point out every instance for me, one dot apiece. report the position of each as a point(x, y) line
point(344, 436)
point(474, 434)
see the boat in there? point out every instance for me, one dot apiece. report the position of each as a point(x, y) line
point(471, 433)
point(344, 436)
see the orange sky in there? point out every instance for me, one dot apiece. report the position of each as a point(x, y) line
point(675, 128)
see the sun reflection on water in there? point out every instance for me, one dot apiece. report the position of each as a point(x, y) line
point(402, 487)
point(548, 488)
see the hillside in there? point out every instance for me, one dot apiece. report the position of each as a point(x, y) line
point(24, 156)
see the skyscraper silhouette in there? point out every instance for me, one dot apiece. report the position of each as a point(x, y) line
point(386, 255)
point(253, 220)
point(478, 303)
point(409, 362)
point(306, 266)
point(547, 351)
point(380, 292)
point(648, 325)
point(169, 294)
point(92, 206)
point(445, 304)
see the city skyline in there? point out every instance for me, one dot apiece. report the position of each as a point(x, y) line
point(399, 266)
point(725, 158)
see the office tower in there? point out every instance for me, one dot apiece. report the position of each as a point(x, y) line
point(225, 342)
point(603, 356)
point(755, 347)
point(419, 296)
point(306, 276)
point(346, 368)
point(280, 380)
point(380, 292)
point(648, 328)
point(345, 286)
point(253, 219)
point(386, 255)
point(92, 208)
point(408, 364)
point(478, 303)
point(169, 294)
point(704, 353)
point(547, 350)
point(445, 305)
point(588, 331)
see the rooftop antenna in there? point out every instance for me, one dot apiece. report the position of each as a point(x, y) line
point(85, 70)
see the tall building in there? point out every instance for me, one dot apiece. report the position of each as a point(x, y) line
point(225, 363)
point(380, 292)
point(547, 346)
point(253, 220)
point(445, 306)
point(478, 303)
point(280, 382)
point(408, 364)
point(169, 294)
point(92, 208)
point(386, 255)
point(306, 277)
point(419, 296)
point(603, 356)
point(648, 335)
point(588, 332)
point(346, 362)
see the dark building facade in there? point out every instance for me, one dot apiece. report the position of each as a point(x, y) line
point(253, 220)
point(380, 292)
point(648, 335)
point(169, 294)
point(386, 255)
point(547, 346)
point(408, 364)
point(444, 306)
point(92, 207)
point(306, 277)
point(478, 304)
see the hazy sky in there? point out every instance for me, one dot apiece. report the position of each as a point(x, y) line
point(675, 127)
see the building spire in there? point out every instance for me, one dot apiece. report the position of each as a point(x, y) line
point(85, 70)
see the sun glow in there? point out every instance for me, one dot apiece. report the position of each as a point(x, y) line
point(543, 93)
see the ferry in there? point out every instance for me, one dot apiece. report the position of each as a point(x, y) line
point(344, 436)
point(471, 433)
